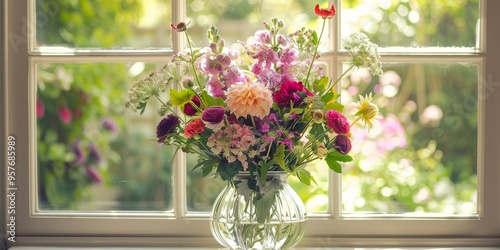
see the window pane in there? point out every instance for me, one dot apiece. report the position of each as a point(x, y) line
point(411, 23)
point(238, 20)
point(422, 156)
point(93, 153)
point(104, 24)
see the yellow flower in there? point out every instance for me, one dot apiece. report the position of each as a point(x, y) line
point(367, 111)
point(249, 99)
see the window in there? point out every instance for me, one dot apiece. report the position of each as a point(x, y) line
point(345, 210)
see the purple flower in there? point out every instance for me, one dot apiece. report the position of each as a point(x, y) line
point(337, 121)
point(93, 174)
point(94, 153)
point(110, 125)
point(80, 157)
point(288, 142)
point(342, 144)
point(213, 116)
point(166, 126)
point(233, 75)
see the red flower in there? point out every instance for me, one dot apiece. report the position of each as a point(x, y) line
point(194, 127)
point(337, 121)
point(188, 107)
point(166, 126)
point(64, 114)
point(40, 108)
point(180, 27)
point(324, 13)
point(291, 91)
point(342, 144)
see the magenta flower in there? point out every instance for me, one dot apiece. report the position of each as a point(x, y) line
point(166, 126)
point(337, 121)
point(188, 107)
point(40, 108)
point(64, 114)
point(94, 175)
point(94, 153)
point(80, 156)
point(291, 92)
point(213, 116)
point(342, 144)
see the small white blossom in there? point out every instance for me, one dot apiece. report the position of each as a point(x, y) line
point(364, 53)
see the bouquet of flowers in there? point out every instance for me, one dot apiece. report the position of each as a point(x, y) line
point(257, 107)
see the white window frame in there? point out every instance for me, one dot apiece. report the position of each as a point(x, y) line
point(33, 227)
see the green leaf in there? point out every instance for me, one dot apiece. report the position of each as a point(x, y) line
point(304, 177)
point(263, 206)
point(180, 97)
point(333, 158)
point(263, 171)
point(339, 157)
point(279, 157)
point(335, 106)
point(330, 96)
point(211, 101)
point(315, 40)
point(333, 165)
point(320, 85)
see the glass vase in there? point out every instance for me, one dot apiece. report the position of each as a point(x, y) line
point(272, 218)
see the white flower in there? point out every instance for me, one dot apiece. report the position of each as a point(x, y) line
point(364, 53)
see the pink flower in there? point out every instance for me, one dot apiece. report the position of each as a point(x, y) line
point(252, 99)
point(64, 114)
point(213, 116)
point(337, 121)
point(215, 65)
point(188, 107)
point(40, 108)
point(166, 126)
point(342, 144)
point(215, 87)
point(291, 92)
point(194, 127)
point(324, 13)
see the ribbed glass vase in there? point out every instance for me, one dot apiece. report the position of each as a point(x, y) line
point(273, 218)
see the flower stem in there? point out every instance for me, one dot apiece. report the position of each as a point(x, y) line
point(315, 53)
point(340, 78)
point(204, 103)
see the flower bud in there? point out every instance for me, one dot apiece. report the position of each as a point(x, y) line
point(342, 144)
point(318, 116)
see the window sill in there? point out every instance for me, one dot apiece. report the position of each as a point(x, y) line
point(198, 248)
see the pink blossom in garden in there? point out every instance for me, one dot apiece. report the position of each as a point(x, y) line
point(94, 175)
point(40, 108)
point(64, 114)
point(110, 125)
